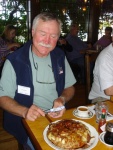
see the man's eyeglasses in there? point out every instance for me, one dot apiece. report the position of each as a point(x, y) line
point(36, 67)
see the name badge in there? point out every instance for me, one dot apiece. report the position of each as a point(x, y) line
point(23, 90)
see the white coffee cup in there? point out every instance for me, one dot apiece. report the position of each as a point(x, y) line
point(83, 111)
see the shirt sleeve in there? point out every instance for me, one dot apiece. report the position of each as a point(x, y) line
point(3, 51)
point(69, 77)
point(8, 80)
point(105, 75)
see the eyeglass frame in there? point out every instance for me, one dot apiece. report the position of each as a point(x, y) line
point(36, 68)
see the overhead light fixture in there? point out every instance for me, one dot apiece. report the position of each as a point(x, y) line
point(85, 1)
point(101, 1)
point(84, 8)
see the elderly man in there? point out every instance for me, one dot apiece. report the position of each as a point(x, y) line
point(36, 77)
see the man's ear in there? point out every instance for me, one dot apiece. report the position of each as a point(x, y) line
point(32, 32)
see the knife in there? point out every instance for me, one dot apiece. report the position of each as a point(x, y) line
point(54, 109)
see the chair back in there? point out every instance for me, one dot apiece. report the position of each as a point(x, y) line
point(89, 58)
point(111, 98)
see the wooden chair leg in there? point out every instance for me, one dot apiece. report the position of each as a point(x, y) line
point(20, 146)
point(23, 147)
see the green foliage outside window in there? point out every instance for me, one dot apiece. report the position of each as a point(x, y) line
point(15, 13)
point(69, 11)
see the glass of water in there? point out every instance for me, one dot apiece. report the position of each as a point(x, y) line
point(98, 110)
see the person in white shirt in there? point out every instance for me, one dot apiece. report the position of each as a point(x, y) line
point(102, 87)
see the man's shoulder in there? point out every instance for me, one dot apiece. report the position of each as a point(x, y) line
point(23, 49)
point(15, 53)
point(102, 40)
point(106, 54)
point(57, 54)
point(58, 50)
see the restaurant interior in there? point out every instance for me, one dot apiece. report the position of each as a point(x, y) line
point(93, 16)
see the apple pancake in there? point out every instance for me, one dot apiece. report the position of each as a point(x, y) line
point(68, 134)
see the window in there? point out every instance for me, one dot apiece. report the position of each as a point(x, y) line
point(15, 13)
point(69, 11)
point(106, 17)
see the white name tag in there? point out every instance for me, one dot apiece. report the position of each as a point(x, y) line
point(23, 90)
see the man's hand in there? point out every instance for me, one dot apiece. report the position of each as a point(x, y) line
point(66, 95)
point(33, 113)
point(57, 103)
point(57, 114)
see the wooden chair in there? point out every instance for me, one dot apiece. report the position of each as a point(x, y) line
point(90, 56)
point(111, 98)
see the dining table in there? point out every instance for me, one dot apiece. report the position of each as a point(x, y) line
point(35, 129)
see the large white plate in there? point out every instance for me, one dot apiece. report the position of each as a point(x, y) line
point(93, 142)
point(101, 137)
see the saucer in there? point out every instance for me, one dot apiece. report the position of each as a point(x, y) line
point(90, 114)
point(101, 137)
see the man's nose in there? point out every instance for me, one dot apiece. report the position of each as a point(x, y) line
point(47, 39)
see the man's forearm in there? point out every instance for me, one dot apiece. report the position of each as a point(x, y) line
point(109, 91)
point(68, 93)
point(12, 106)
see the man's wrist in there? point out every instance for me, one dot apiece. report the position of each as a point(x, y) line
point(63, 99)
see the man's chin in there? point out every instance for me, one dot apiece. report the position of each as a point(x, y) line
point(44, 54)
point(43, 51)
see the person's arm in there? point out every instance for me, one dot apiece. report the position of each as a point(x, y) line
point(8, 87)
point(3, 47)
point(69, 89)
point(11, 45)
point(109, 91)
point(66, 95)
point(12, 106)
point(65, 45)
point(15, 108)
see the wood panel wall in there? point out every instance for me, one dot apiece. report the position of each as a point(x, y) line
point(94, 21)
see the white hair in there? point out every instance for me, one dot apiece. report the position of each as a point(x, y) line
point(46, 16)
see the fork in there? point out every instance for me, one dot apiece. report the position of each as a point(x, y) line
point(111, 115)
